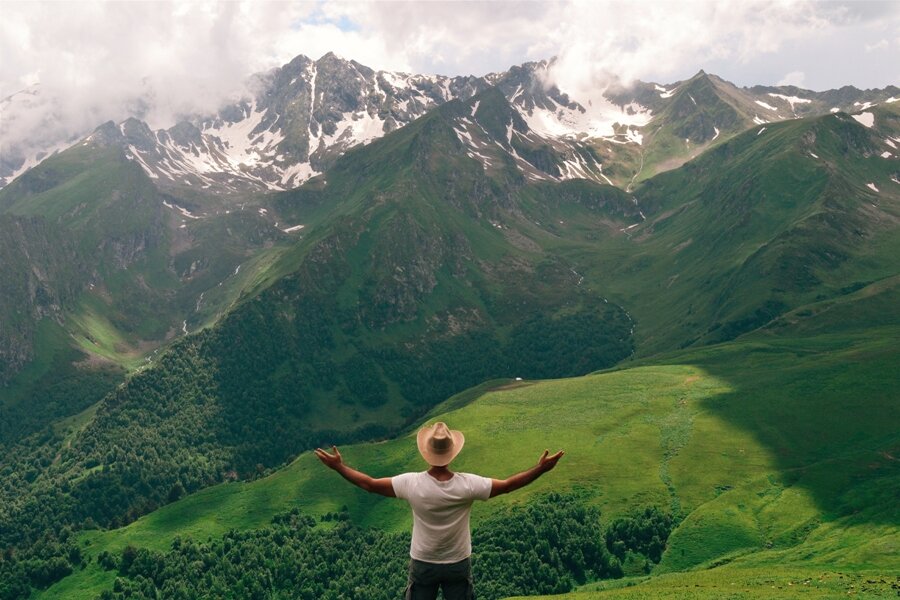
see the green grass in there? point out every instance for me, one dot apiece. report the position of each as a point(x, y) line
point(94, 333)
point(87, 583)
point(718, 434)
point(56, 382)
point(738, 583)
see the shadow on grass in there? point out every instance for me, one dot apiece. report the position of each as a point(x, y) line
point(826, 408)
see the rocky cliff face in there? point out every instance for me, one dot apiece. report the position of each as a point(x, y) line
point(42, 273)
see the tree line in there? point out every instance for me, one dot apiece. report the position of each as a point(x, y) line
point(547, 546)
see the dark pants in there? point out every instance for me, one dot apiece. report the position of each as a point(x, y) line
point(454, 579)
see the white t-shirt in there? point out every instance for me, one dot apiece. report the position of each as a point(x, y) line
point(441, 513)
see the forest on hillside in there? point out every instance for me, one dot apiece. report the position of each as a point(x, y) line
point(548, 546)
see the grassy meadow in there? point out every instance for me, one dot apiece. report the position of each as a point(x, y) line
point(779, 452)
point(739, 583)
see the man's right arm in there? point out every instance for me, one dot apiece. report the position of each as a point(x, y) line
point(519, 480)
point(382, 486)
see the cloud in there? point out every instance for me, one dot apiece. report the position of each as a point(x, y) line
point(795, 78)
point(606, 41)
point(882, 44)
point(450, 38)
point(94, 61)
point(97, 61)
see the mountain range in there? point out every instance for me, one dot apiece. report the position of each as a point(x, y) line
point(307, 113)
point(333, 258)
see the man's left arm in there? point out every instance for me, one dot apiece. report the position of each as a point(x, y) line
point(381, 486)
point(545, 463)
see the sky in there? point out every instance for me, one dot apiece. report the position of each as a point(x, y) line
point(94, 61)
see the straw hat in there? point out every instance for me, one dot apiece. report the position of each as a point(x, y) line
point(438, 445)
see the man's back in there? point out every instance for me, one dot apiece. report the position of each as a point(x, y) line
point(441, 513)
point(441, 501)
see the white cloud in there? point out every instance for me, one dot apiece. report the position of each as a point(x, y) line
point(601, 41)
point(795, 78)
point(453, 37)
point(97, 60)
point(882, 44)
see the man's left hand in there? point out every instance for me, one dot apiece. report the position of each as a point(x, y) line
point(546, 462)
point(332, 461)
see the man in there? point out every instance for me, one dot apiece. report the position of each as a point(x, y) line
point(441, 501)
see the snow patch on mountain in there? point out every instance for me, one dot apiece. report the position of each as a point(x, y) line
point(578, 167)
point(576, 162)
point(356, 128)
point(872, 187)
point(296, 174)
point(663, 92)
point(634, 136)
point(766, 106)
point(866, 118)
point(184, 212)
point(32, 160)
point(597, 120)
point(236, 138)
point(396, 80)
point(792, 100)
point(133, 154)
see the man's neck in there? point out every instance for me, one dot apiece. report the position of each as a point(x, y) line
point(441, 473)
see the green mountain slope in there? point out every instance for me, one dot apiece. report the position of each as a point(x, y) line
point(777, 217)
point(423, 270)
point(740, 440)
point(421, 275)
point(127, 264)
point(42, 376)
point(42, 274)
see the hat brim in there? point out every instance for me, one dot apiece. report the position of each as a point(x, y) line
point(439, 460)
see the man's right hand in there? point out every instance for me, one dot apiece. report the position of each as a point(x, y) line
point(332, 461)
point(383, 486)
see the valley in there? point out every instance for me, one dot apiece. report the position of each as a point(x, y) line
point(691, 288)
point(718, 435)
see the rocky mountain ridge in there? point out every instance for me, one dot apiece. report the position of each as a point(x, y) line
point(307, 113)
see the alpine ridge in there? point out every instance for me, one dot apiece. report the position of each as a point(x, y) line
point(306, 113)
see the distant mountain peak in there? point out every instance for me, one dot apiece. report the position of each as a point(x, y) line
point(304, 115)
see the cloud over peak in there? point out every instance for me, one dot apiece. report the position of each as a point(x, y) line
point(95, 61)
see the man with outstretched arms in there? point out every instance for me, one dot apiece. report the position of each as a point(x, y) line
point(441, 501)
